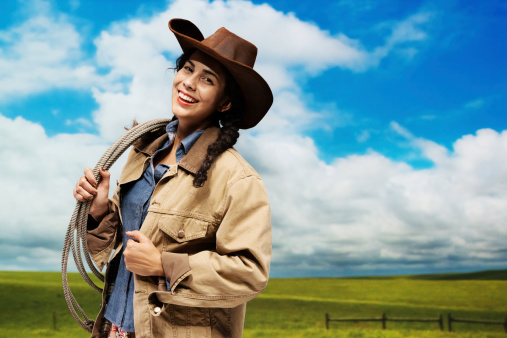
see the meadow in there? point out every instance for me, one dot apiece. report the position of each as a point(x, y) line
point(33, 305)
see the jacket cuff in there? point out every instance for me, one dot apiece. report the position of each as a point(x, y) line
point(104, 233)
point(176, 267)
point(91, 224)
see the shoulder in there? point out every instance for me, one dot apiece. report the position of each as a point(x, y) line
point(231, 170)
point(238, 181)
point(150, 141)
point(235, 165)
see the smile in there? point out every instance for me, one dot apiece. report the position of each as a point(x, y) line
point(186, 99)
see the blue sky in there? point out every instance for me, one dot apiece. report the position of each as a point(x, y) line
point(382, 152)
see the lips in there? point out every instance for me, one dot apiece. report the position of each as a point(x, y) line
point(186, 99)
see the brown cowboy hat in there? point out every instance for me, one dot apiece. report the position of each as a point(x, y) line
point(238, 57)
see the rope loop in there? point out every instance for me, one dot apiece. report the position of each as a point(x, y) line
point(75, 238)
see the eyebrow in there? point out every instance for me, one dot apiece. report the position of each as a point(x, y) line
point(209, 72)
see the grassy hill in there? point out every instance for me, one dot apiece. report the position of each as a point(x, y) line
point(478, 275)
point(481, 275)
point(33, 305)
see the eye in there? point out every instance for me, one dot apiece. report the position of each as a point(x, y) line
point(208, 80)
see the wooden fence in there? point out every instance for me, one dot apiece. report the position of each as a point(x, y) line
point(440, 321)
point(451, 320)
point(384, 320)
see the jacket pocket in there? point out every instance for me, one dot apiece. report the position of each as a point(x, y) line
point(182, 229)
point(181, 321)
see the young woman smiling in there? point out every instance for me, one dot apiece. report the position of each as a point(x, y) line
point(186, 237)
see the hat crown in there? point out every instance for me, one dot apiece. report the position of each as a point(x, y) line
point(231, 46)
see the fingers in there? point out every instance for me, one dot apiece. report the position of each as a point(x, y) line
point(88, 174)
point(104, 183)
point(130, 250)
point(138, 236)
point(142, 258)
point(105, 174)
point(84, 190)
point(85, 186)
point(130, 242)
point(77, 196)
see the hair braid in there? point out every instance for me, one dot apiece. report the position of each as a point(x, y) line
point(226, 139)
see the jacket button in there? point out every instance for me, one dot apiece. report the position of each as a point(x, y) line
point(181, 233)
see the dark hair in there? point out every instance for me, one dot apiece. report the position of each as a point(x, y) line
point(229, 121)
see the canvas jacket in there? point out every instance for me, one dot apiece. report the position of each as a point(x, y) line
point(215, 243)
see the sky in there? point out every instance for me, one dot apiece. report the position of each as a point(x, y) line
point(384, 151)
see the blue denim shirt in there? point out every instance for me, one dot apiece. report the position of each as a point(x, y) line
point(135, 199)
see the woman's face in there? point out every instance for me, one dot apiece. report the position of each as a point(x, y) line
point(198, 91)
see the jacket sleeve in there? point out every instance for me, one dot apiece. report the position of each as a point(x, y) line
point(239, 268)
point(102, 239)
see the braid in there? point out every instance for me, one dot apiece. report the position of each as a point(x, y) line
point(226, 139)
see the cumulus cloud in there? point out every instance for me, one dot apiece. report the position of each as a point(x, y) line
point(38, 175)
point(299, 50)
point(42, 53)
point(361, 212)
point(368, 213)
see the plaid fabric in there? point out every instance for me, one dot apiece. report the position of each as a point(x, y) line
point(116, 332)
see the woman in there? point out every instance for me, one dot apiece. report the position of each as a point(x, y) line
point(189, 222)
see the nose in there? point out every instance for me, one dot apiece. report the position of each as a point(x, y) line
point(190, 81)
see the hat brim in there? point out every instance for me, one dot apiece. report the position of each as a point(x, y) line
point(256, 92)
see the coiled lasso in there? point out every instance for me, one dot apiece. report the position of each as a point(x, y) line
point(75, 238)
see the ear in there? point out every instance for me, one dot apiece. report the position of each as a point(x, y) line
point(225, 106)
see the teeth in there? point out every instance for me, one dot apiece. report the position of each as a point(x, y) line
point(186, 98)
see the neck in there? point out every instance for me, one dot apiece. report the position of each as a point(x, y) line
point(185, 129)
point(182, 132)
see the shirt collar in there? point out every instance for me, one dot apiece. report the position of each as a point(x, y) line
point(149, 143)
point(188, 142)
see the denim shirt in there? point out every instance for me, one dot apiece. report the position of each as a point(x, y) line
point(135, 200)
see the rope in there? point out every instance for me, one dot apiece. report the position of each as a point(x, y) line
point(75, 238)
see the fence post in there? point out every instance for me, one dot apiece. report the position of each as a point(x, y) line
point(449, 322)
point(327, 321)
point(441, 322)
point(384, 319)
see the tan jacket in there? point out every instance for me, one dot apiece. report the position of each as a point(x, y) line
point(215, 243)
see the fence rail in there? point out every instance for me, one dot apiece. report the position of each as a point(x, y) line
point(451, 320)
point(384, 320)
point(440, 321)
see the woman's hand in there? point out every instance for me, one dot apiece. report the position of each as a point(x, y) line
point(85, 190)
point(141, 256)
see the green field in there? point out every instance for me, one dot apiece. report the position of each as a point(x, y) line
point(33, 305)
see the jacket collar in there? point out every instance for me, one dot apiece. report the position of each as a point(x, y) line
point(152, 141)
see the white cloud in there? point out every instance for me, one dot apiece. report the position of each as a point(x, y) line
point(429, 149)
point(42, 53)
point(363, 136)
point(80, 122)
point(372, 213)
point(287, 56)
point(403, 33)
point(38, 175)
point(475, 104)
point(45, 52)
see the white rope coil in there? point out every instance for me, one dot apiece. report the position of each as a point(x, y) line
point(75, 238)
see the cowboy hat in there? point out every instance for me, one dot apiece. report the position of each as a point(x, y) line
point(238, 56)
